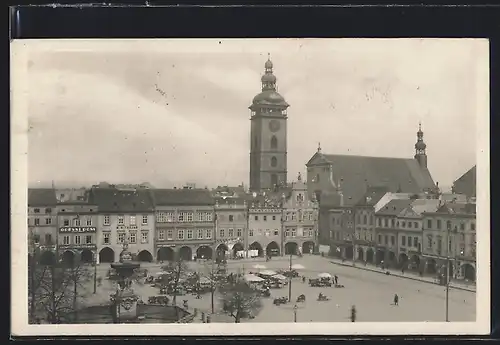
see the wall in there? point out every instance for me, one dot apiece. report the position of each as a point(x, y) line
point(264, 227)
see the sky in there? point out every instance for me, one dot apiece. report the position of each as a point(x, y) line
point(175, 111)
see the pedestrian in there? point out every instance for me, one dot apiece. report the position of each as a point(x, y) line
point(353, 314)
point(336, 278)
point(396, 299)
point(403, 270)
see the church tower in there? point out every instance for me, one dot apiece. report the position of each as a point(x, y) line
point(268, 163)
point(420, 147)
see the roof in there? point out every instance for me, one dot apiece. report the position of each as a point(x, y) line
point(330, 200)
point(270, 98)
point(457, 208)
point(466, 184)
point(394, 207)
point(372, 196)
point(425, 205)
point(354, 173)
point(116, 200)
point(182, 197)
point(41, 197)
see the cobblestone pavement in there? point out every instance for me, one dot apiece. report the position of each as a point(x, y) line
point(371, 292)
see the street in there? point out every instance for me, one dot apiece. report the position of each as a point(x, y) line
point(371, 292)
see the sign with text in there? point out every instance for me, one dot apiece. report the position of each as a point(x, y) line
point(77, 246)
point(78, 229)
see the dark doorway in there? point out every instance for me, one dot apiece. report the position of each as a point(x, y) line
point(166, 254)
point(106, 255)
point(144, 256)
point(291, 248)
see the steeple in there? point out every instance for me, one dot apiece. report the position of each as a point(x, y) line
point(268, 79)
point(420, 147)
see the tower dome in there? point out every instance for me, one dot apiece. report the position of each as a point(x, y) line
point(420, 145)
point(268, 64)
point(268, 78)
point(269, 96)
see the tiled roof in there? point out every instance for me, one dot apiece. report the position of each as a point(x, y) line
point(182, 197)
point(425, 205)
point(41, 197)
point(356, 172)
point(115, 200)
point(372, 196)
point(394, 207)
point(457, 208)
point(466, 184)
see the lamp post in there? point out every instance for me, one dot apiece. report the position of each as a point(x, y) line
point(295, 313)
point(95, 272)
point(290, 281)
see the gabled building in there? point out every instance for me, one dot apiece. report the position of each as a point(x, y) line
point(466, 184)
point(42, 224)
point(185, 223)
point(126, 215)
point(231, 214)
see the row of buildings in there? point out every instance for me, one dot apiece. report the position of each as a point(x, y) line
point(93, 224)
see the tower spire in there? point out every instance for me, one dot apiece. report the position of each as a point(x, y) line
point(420, 147)
point(268, 79)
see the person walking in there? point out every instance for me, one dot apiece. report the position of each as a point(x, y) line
point(353, 313)
point(396, 299)
point(336, 279)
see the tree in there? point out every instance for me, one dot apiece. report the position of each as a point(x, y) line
point(37, 273)
point(217, 276)
point(174, 271)
point(239, 300)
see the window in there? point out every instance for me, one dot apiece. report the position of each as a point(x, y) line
point(276, 232)
point(208, 216)
point(190, 234)
point(473, 226)
point(48, 221)
point(199, 234)
point(410, 224)
point(448, 224)
point(386, 222)
point(239, 232)
point(409, 241)
point(294, 216)
point(294, 232)
point(133, 237)
point(393, 223)
point(208, 233)
point(66, 222)
point(181, 217)
point(121, 220)
point(161, 217)
point(403, 224)
point(371, 219)
point(379, 222)
point(438, 223)
point(88, 239)
point(462, 226)
point(274, 162)
point(310, 216)
point(317, 178)
point(274, 142)
point(393, 240)
point(170, 234)
point(37, 221)
point(222, 232)
point(121, 237)
point(231, 232)
point(231, 218)
point(274, 217)
point(429, 223)
point(429, 242)
point(256, 217)
point(189, 216)
point(180, 234)
point(48, 239)
point(107, 238)
point(403, 241)
point(161, 235)
point(287, 232)
point(380, 239)
point(78, 239)
point(89, 221)
point(449, 245)
point(144, 219)
point(132, 220)
point(48, 210)
point(265, 218)
point(250, 232)
point(365, 219)
point(386, 239)
point(439, 245)
point(36, 210)
point(106, 220)
point(66, 239)
point(145, 236)
point(415, 241)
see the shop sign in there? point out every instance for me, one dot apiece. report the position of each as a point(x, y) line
point(78, 229)
point(165, 245)
point(77, 246)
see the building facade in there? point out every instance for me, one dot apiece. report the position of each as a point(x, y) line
point(77, 231)
point(264, 225)
point(449, 234)
point(300, 220)
point(231, 226)
point(268, 146)
point(42, 224)
point(126, 215)
point(185, 224)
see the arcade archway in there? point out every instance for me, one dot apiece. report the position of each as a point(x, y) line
point(204, 252)
point(469, 272)
point(403, 260)
point(379, 256)
point(391, 258)
point(166, 254)
point(349, 251)
point(144, 256)
point(291, 248)
point(370, 255)
point(258, 247)
point(238, 247)
point(47, 258)
point(185, 253)
point(87, 256)
point(308, 247)
point(273, 249)
point(431, 266)
point(68, 258)
point(106, 255)
point(414, 263)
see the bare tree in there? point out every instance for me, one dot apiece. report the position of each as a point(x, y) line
point(217, 278)
point(174, 271)
point(37, 274)
point(239, 300)
point(80, 276)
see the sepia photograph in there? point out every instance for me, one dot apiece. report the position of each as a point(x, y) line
point(250, 186)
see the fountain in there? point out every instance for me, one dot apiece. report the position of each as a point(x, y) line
point(125, 300)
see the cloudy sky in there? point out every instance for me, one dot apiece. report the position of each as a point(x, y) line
point(170, 112)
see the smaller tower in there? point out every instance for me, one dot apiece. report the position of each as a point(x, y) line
point(420, 147)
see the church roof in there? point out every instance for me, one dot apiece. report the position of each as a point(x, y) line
point(355, 173)
point(466, 184)
point(41, 197)
point(182, 197)
point(394, 207)
point(372, 196)
point(116, 200)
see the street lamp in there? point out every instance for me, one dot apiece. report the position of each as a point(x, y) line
point(290, 280)
point(95, 272)
point(448, 245)
point(295, 313)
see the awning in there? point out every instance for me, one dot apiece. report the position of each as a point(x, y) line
point(259, 267)
point(297, 267)
point(280, 277)
point(252, 278)
point(268, 273)
point(324, 275)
